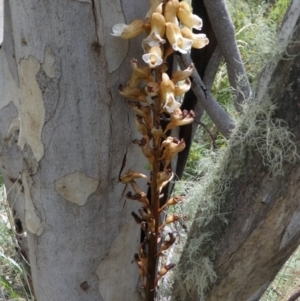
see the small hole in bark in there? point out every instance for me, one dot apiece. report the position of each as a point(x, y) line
point(96, 47)
point(13, 180)
point(18, 226)
point(84, 286)
point(24, 43)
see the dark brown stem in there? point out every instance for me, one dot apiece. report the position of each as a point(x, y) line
point(213, 138)
point(152, 259)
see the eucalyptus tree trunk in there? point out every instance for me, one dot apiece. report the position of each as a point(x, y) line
point(65, 137)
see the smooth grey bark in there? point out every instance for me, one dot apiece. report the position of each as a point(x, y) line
point(208, 80)
point(65, 137)
point(212, 68)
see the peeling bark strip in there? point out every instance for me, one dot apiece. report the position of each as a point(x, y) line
point(116, 266)
point(32, 114)
point(260, 204)
point(76, 187)
point(32, 220)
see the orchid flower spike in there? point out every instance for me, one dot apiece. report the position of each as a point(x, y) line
point(153, 57)
point(171, 9)
point(199, 40)
point(158, 28)
point(187, 18)
point(128, 31)
point(178, 42)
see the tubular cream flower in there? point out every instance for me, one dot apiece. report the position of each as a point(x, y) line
point(154, 56)
point(132, 93)
point(146, 149)
point(178, 42)
point(140, 197)
point(157, 133)
point(153, 7)
point(138, 74)
point(142, 127)
point(179, 90)
point(170, 219)
point(171, 202)
point(167, 92)
point(171, 9)
point(179, 118)
point(182, 74)
point(136, 187)
point(163, 271)
point(171, 105)
point(128, 31)
point(167, 88)
point(131, 175)
point(143, 111)
point(158, 29)
point(172, 146)
point(199, 40)
point(163, 178)
point(187, 18)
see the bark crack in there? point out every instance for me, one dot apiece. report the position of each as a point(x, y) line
point(123, 164)
point(95, 20)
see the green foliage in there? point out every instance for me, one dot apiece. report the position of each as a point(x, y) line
point(12, 276)
point(256, 24)
point(276, 9)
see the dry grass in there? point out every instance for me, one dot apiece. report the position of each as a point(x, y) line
point(13, 285)
point(286, 281)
